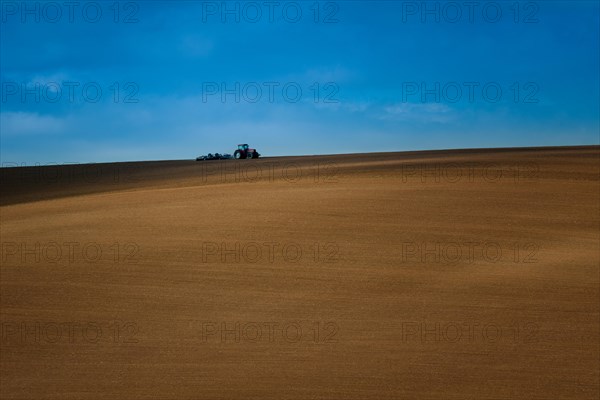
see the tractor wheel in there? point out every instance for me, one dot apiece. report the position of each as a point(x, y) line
point(250, 156)
point(237, 155)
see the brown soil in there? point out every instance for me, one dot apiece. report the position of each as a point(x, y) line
point(464, 274)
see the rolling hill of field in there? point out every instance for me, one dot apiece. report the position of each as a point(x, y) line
point(461, 274)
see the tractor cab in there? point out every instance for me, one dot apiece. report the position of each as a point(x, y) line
point(243, 147)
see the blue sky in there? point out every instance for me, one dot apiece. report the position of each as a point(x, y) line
point(108, 81)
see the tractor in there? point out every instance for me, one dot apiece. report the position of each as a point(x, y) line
point(244, 152)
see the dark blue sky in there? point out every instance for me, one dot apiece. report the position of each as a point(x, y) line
point(108, 81)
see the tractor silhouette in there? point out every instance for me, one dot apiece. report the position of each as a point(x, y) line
point(243, 151)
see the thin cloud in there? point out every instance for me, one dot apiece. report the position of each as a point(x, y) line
point(24, 123)
point(427, 112)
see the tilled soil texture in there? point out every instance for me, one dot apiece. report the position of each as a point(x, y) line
point(463, 274)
